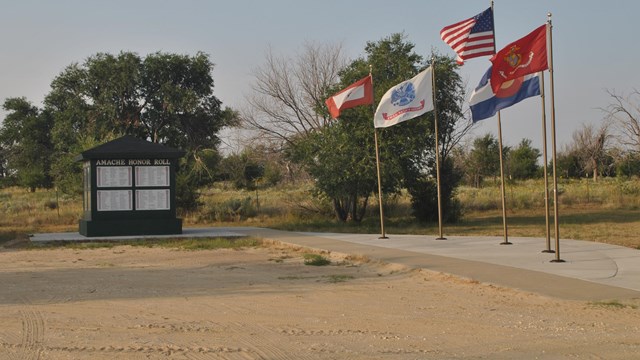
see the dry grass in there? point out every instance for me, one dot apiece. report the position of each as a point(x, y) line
point(608, 211)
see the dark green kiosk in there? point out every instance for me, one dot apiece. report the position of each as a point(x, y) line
point(129, 189)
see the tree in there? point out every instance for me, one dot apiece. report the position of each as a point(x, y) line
point(484, 159)
point(340, 159)
point(289, 93)
point(624, 114)
point(166, 98)
point(243, 169)
point(420, 180)
point(523, 161)
point(3, 166)
point(627, 163)
point(591, 147)
point(26, 143)
point(341, 156)
point(568, 163)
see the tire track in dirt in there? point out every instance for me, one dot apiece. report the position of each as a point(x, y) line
point(169, 348)
point(265, 342)
point(9, 344)
point(127, 352)
point(31, 344)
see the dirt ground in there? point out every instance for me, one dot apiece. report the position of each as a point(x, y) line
point(265, 303)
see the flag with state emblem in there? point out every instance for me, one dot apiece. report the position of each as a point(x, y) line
point(485, 103)
point(524, 56)
point(358, 93)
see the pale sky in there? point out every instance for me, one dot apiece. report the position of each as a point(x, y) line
point(594, 43)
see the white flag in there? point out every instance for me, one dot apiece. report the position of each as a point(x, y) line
point(406, 100)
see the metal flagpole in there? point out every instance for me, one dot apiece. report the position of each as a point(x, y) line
point(435, 120)
point(375, 137)
point(553, 143)
point(546, 176)
point(502, 187)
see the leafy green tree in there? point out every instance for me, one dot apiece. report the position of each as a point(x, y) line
point(26, 143)
point(568, 164)
point(341, 156)
point(452, 126)
point(484, 159)
point(242, 169)
point(166, 98)
point(628, 164)
point(341, 161)
point(3, 165)
point(523, 161)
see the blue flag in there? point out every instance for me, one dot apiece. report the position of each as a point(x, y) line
point(484, 103)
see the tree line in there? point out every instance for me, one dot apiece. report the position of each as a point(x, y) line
point(164, 98)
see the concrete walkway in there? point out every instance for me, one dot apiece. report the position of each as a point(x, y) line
point(590, 271)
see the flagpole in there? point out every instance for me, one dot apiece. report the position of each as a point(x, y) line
point(553, 143)
point(502, 187)
point(435, 120)
point(375, 138)
point(546, 176)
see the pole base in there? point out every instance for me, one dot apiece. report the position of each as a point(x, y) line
point(441, 238)
point(549, 251)
point(506, 243)
point(383, 237)
point(557, 261)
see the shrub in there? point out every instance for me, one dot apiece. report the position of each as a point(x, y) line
point(230, 210)
point(316, 260)
point(51, 204)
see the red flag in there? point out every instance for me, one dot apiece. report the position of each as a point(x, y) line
point(525, 56)
point(358, 93)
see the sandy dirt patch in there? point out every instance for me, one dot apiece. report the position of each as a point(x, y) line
point(264, 303)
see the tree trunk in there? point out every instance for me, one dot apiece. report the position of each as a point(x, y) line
point(362, 210)
point(341, 212)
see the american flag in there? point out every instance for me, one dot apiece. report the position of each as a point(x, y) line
point(472, 37)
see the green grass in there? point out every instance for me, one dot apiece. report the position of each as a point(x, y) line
point(615, 304)
point(208, 243)
point(316, 260)
point(339, 278)
point(607, 211)
point(179, 244)
point(333, 279)
point(296, 277)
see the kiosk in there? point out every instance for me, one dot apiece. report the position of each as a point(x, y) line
point(129, 189)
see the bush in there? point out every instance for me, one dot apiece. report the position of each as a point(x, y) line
point(424, 196)
point(51, 204)
point(230, 210)
point(187, 193)
point(316, 260)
